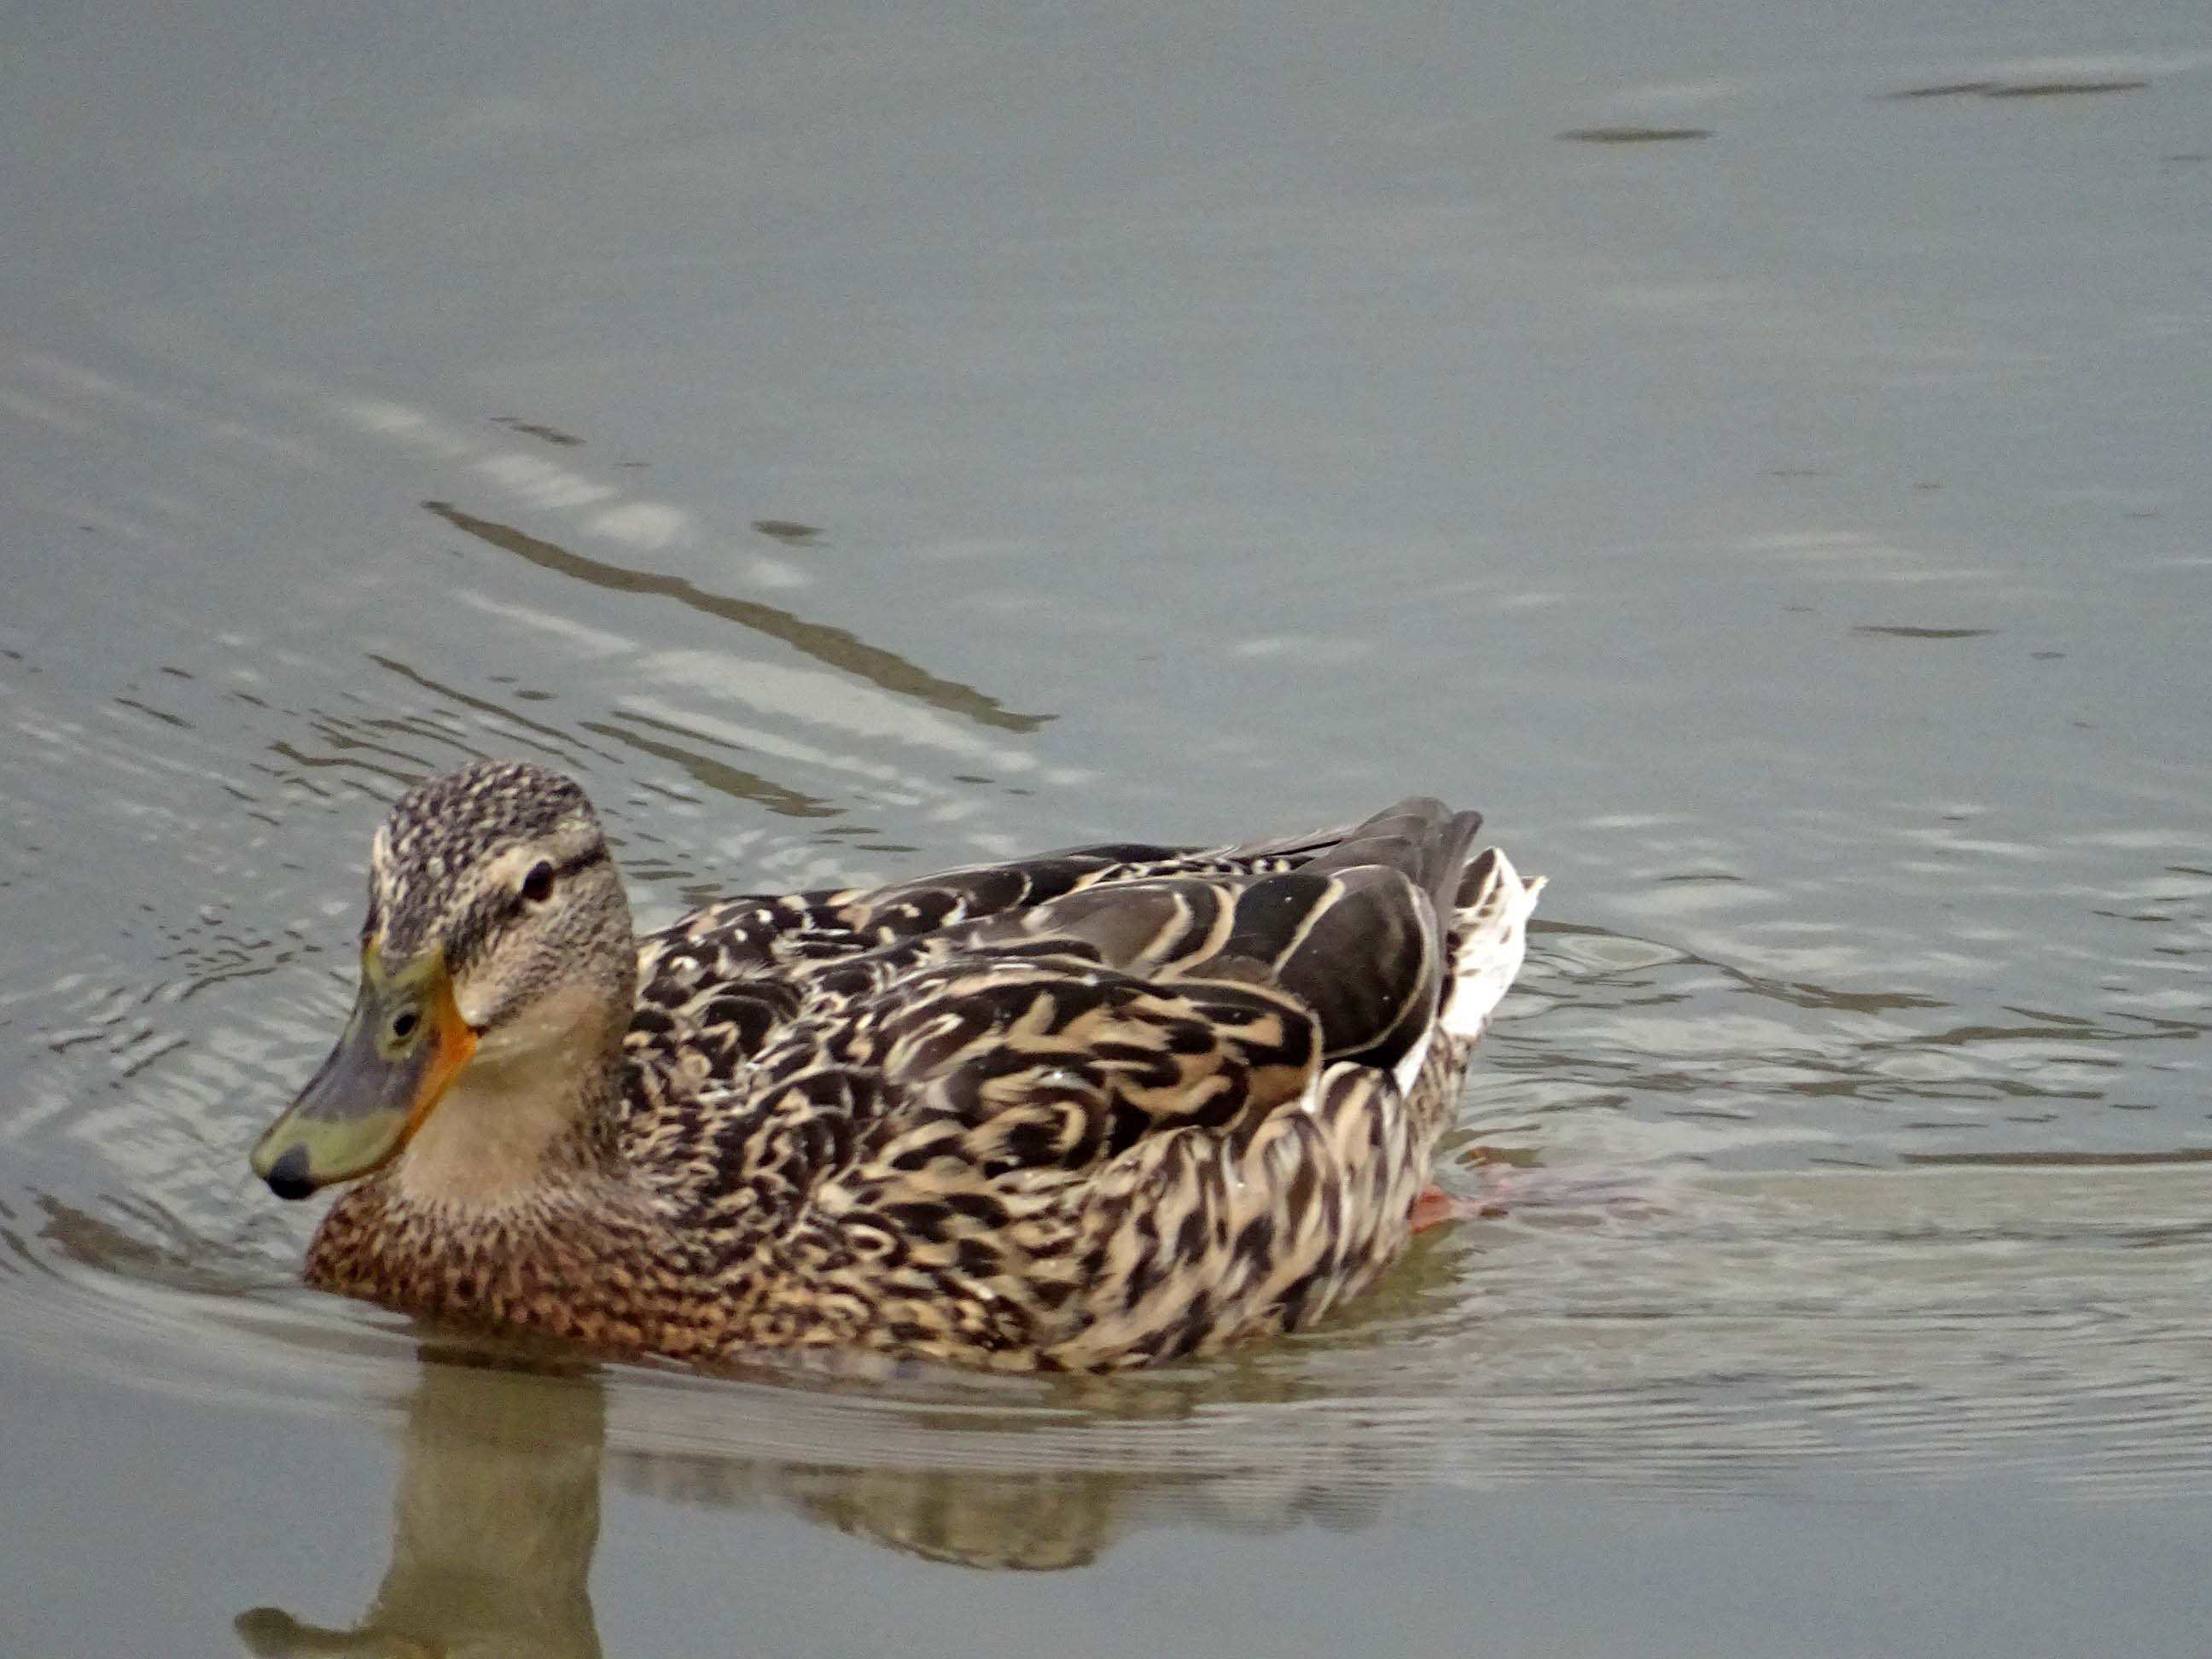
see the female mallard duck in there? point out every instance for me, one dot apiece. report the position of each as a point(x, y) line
point(1083, 1110)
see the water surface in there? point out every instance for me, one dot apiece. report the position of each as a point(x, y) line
point(1759, 461)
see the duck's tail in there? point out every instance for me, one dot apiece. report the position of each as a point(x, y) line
point(1489, 934)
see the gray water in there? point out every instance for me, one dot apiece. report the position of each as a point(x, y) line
point(1756, 454)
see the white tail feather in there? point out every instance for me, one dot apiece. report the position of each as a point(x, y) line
point(1493, 936)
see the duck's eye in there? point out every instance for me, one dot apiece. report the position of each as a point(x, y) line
point(403, 1024)
point(537, 885)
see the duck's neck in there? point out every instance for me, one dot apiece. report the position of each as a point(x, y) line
point(536, 1108)
point(513, 1204)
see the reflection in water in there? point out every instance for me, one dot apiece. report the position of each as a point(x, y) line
point(1902, 633)
point(537, 429)
point(833, 646)
point(492, 1526)
point(787, 530)
point(496, 1516)
point(2022, 88)
point(1634, 135)
point(712, 774)
point(1044, 1520)
point(553, 738)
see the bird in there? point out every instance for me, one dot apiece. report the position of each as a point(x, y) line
point(1094, 1108)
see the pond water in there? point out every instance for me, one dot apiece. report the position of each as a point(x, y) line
point(1756, 452)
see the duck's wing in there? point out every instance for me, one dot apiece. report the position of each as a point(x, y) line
point(1145, 1002)
point(714, 988)
point(1135, 1115)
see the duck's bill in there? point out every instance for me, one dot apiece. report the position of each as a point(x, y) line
point(401, 1051)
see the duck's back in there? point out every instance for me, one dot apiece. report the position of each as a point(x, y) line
point(1087, 1108)
point(714, 986)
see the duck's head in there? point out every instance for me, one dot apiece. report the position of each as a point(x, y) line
point(498, 939)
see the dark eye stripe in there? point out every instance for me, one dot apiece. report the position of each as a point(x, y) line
point(504, 906)
point(496, 910)
point(595, 854)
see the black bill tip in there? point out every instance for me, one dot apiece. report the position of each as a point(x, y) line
point(288, 1175)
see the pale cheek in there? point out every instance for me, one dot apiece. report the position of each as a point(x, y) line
point(551, 1026)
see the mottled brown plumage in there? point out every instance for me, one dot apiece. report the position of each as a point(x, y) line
point(1086, 1111)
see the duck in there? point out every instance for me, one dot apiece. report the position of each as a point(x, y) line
point(1098, 1107)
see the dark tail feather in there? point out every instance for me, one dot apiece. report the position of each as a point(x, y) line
point(1362, 956)
point(1420, 838)
point(1342, 930)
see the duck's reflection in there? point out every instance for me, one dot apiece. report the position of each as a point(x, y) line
point(1038, 1521)
point(497, 1514)
point(493, 1529)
